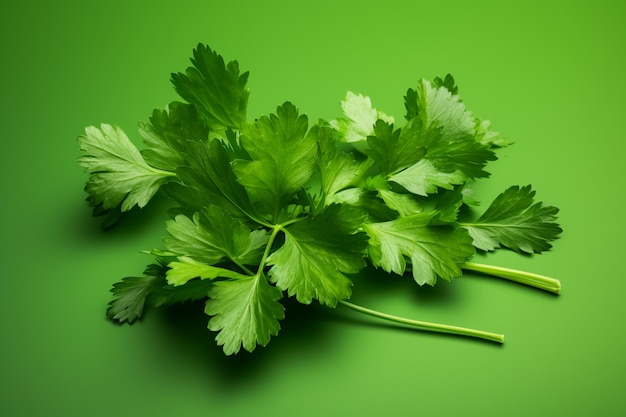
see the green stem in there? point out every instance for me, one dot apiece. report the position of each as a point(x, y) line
point(426, 326)
point(275, 229)
point(527, 278)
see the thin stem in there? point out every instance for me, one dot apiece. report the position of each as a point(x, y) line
point(426, 326)
point(527, 278)
point(275, 229)
point(242, 267)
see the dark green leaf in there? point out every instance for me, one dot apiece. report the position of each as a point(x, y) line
point(216, 89)
point(514, 220)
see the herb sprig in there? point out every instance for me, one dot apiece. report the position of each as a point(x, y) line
point(280, 206)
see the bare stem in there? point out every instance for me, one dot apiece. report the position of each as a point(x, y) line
point(527, 278)
point(426, 326)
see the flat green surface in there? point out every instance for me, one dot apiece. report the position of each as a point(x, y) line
point(550, 75)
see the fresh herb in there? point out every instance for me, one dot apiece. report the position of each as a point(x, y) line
point(280, 206)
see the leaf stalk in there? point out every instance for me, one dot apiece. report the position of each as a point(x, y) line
point(427, 326)
point(527, 278)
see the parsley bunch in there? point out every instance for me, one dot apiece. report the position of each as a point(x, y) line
point(280, 206)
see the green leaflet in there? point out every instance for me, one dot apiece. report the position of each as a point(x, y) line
point(119, 176)
point(359, 119)
point(434, 250)
point(212, 236)
point(317, 252)
point(168, 133)
point(335, 169)
point(217, 90)
point(245, 313)
point(516, 221)
point(282, 159)
point(207, 178)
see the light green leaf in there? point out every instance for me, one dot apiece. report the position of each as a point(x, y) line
point(441, 124)
point(434, 250)
point(488, 137)
point(186, 269)
point(245, 313)
point(438, 107)
point(359, 119)
point(424, 178)
point(119, 176)
point(317, 252)
point(404, 204)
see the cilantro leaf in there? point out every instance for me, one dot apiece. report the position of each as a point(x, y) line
point(425, 178)
point(514, 220)
point(216, 89)
point(434, 250)
point(212, 236)
point(186, 269)
point(118, 174)
point(448, 83)
point(245, 313)
point(448, 159)
point(316, 254)
point(130, 294)
point(283, 159)
point(360, 118)
point(336, 169)
point(208, 179)
point(438, 106)
point(403, 204)
point(168, 132)
point(193, 290)
point(394, 150)
point(488, 137)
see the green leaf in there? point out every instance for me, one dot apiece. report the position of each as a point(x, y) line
point(336, 170)
point(404, 204)
point(514, 220)
point(394, 150)
point(216, 89)
point(186, 269)
point(130, 294)
point(434, 250)
point(118, 174)
point(316, 254)
point(283, 159)
point(193, 290)
point(168, 132)
point(438, 107)
point(212, 236)
point(448, 83)
point(208, 179)
point(360, 118)
point(425, 178)
point(452, 148)
point(245, 313)
point(488, 137)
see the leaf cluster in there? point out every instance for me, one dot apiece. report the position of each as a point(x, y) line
point(280, 206)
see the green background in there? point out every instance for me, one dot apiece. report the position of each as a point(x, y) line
point(549, 74)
